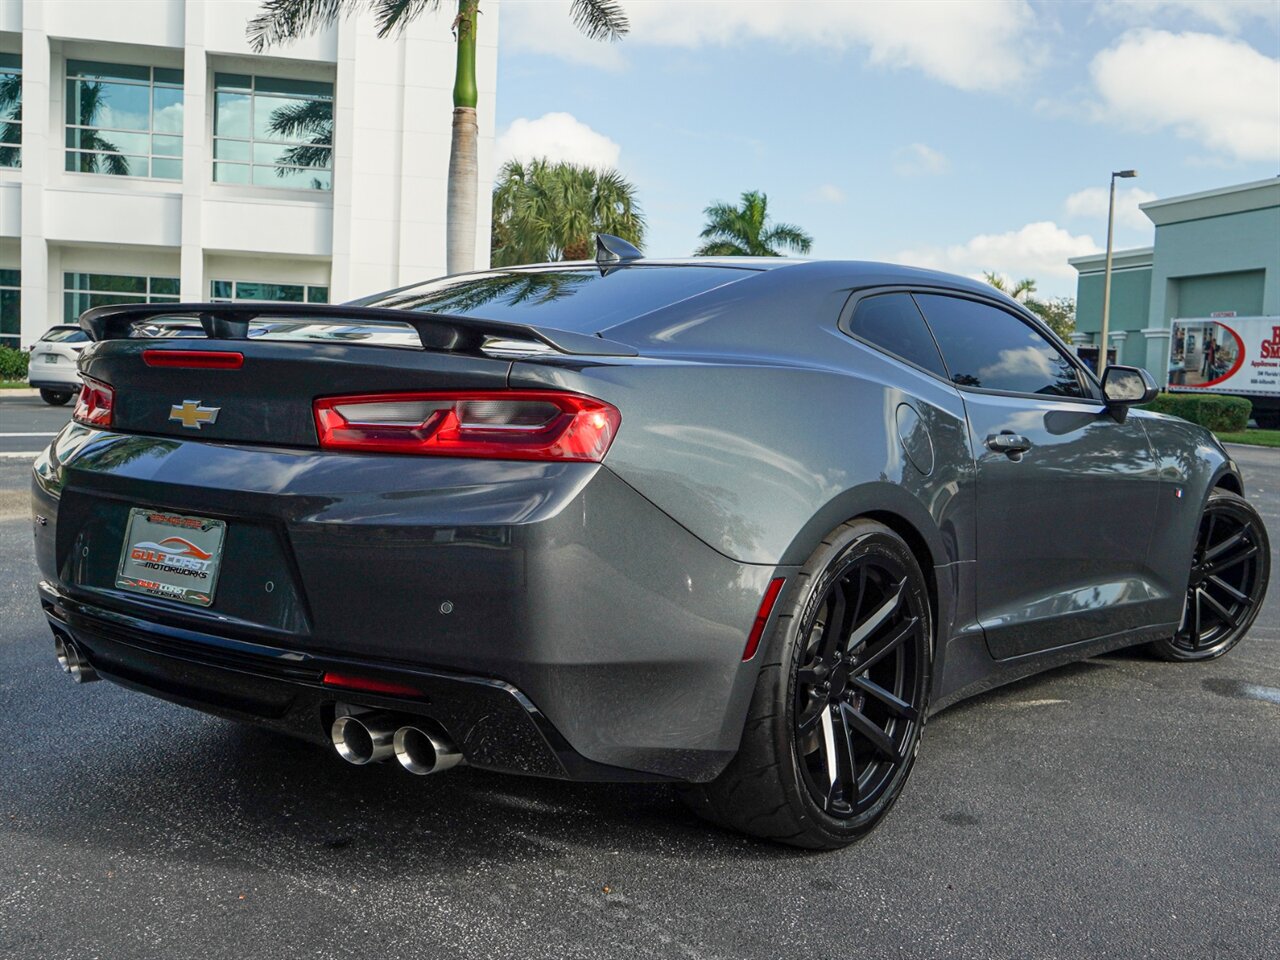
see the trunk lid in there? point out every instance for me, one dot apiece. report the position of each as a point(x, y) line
point(287, 355)
point(268, 399)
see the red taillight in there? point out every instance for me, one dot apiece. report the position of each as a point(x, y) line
point(194, 359)
point(497, 424)
point(93, 406)
point(369, 685)
point(762, 617)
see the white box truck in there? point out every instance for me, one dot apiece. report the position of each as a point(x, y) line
point(1237, 356)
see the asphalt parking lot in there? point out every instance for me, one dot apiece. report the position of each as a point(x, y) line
point(1121, 807)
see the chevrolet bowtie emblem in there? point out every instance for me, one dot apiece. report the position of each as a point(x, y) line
point(191, 414)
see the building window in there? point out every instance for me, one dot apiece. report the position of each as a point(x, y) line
point(84, 290)
point(10, 110)
point(228, 290)
point(271, 132)
point(124, 120)
point(10, 307)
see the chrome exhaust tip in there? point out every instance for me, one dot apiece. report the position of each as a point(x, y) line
point(362, 739)
point(72, 661)
point(62, 653)
point(423, 750)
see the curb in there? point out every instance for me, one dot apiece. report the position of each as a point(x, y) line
point(19, 392)
point(1253, 448)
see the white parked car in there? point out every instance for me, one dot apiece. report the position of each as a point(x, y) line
point(52, 365)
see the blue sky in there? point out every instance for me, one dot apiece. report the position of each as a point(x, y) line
point(959, 135)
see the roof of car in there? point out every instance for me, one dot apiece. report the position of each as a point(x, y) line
point(855, 270)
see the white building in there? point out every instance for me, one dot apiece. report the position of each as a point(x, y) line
point(156, 157)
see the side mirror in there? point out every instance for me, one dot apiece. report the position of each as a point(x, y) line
point(1126, 386)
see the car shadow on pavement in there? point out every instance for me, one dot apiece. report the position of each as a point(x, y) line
point(213, 790)
point(196, 788)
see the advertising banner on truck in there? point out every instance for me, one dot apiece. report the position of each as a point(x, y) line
point(1237, 355)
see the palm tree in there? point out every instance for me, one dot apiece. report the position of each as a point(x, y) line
point(745, 231)
point(1019, 291)
point(551, 211)
point(10, 109)
point(281, 21)
point(523, 286)
point(308, 121)
point(99, 150)
point(1058, 313)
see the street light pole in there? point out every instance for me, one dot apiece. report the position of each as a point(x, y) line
point(1106, 283)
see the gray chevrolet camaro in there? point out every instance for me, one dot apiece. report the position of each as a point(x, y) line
point(737, 524)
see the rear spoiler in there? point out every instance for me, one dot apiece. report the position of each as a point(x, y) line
point(230, 321)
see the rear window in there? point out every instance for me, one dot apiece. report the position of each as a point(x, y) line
point(65, 335)
point(580, 300)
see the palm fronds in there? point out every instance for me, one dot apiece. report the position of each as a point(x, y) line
point(744, 230)
point(282, 21)
point(310, 121)
point(551, 211)
point(600, 19)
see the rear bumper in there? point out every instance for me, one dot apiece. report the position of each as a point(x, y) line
point(45, 381)
point(551, 597)
point(495, 726)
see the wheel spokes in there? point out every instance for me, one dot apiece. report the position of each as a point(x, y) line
point(1212, 552)
point(1226, 563)
point(810, 716)
point(860, 654)
point(837, 616)
point(1227, 588)
point(879, 739)
point(885, 647)
point(1223, 613)
point(877, 618)
point(846, 756)
point(829, 754)
point(897, 706)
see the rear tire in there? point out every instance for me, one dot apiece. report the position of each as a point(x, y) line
point(834, 724)
point(55, 398)
point(1228, 581)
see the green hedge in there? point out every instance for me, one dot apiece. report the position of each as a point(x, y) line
point(1212, 410)
point(13, 364)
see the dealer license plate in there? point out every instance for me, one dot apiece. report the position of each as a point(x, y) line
point(170, 555)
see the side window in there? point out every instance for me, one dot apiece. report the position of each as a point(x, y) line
point(892, 322)
point(989, 348)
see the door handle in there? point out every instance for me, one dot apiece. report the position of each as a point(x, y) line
point(1010, 444)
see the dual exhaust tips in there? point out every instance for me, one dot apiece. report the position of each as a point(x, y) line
point(421, 748)
point(72, 661)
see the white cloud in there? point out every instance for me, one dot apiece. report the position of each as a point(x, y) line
point(970, 44)
point(1091, 204)
point(1229, 15)
point(557, 136)
point(1219, 91)
point(829, 193)
point(918, 160)
point(1038, 250)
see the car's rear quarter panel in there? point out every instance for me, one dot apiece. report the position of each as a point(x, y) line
point(625, 630)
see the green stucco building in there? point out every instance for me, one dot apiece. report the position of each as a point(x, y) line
point(1214, 252)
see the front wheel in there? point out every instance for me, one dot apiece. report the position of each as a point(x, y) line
point(1228, 582)
point(55, 398)
point(839, 704)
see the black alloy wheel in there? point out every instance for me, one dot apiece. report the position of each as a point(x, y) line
point(1227, 584)
point(840, 699)
point(857, 688)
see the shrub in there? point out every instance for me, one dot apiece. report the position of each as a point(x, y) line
point(13, 364)
point(1212, 410)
